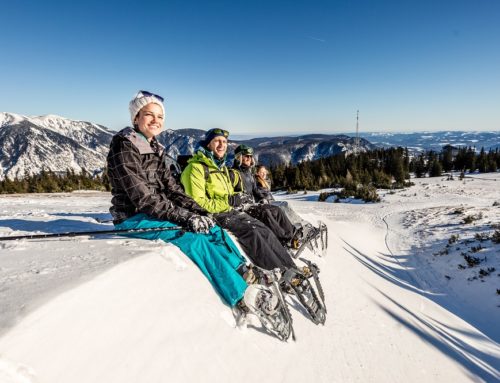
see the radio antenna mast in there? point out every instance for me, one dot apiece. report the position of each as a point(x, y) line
point(356, 141)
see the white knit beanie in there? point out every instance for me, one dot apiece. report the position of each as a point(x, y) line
point(142, 99)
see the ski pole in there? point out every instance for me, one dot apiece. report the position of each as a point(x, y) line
point(96, 232)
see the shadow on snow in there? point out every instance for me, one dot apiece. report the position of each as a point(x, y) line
point(52, 226)
point(481, 363)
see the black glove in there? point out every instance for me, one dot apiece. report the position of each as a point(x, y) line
point(240, 200)
point(200, 224)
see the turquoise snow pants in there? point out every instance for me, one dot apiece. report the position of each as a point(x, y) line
point(217, 257)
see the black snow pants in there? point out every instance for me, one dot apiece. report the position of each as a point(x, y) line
point(275, 219)
point(256, 239)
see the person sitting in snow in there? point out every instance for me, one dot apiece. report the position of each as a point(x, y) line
point(145, 195)
point(272, 216)
point(263, 184)
point(206, 178)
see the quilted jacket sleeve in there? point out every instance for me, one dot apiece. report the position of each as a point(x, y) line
point(124, 163)
point(175, 192)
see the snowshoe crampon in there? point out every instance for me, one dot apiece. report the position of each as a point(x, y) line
point(268, 305)
point(313, 271)
point(298, 283)
point(314, 239)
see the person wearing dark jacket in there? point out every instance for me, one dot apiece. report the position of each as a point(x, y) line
point(263, 184)
point(272, 216)
point(304, 229)
point(145, 195)
point(206, 178)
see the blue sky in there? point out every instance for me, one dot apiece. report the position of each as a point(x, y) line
point(257, 67)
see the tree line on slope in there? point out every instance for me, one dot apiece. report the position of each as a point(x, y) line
point(360, 175)
point(463, 159)
point(49, 182)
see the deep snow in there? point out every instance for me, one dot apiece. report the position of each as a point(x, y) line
point(124, 310)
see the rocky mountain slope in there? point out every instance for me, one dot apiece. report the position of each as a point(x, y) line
point(270, 150)
point(30, 144)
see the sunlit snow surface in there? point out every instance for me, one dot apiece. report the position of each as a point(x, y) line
point(403, 306)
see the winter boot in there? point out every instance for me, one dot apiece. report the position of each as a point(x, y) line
point(248, 274)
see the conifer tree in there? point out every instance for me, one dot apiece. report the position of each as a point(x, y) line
point(482, 161)
point(435, 169)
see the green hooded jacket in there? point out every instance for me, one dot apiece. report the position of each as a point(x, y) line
point(212, 192)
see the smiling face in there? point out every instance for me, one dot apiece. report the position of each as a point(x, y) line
point(218, 146)
point(246, 160)
point(150, 120)
point(262, 173)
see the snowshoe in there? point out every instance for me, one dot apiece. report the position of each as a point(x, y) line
point(297, 283)
point(270, 308)
point(313, 270)
point(314, 238)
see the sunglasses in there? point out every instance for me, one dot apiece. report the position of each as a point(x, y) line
point(222, 132)
point(145, 93)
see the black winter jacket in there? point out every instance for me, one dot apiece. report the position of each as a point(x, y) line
point(142, 183)
point(246, 183)
point(265, 191)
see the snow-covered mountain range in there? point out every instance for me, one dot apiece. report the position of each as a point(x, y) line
point(30, 144)
point(422, 141)
point(270, 150)
point(276, 150)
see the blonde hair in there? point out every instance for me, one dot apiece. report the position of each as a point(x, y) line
point(259, 179)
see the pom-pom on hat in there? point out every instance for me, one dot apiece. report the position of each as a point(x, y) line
point(141, 99)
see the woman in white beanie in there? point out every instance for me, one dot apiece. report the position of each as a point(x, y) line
point(146, 195)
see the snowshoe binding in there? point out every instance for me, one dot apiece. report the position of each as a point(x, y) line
point(268, 305)
point(313, 238)
point(297, 282)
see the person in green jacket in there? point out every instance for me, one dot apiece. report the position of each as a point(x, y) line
point(206, 179)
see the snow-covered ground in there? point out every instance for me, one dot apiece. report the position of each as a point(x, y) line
point(404, 303)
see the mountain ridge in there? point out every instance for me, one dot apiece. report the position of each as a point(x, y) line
point(32, 144)
point(29, 145)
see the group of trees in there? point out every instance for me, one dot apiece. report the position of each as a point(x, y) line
point(361, 173)
point(463, 159)
point(50, 182)
point(380, 168)
point(377, 168)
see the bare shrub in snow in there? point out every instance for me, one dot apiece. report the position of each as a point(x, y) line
point(495, 238)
